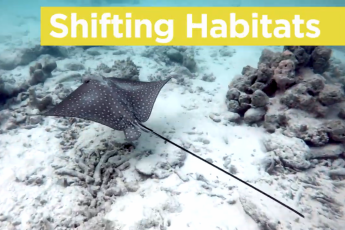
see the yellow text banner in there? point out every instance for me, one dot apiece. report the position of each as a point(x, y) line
point(199, 26)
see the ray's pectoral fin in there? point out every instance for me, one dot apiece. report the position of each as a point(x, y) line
point(132, 133)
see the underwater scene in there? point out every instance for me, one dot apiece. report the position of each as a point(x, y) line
point(169, 137)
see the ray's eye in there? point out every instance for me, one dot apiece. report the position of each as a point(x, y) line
point(87, 81)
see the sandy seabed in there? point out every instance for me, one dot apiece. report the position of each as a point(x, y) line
point(59, 173)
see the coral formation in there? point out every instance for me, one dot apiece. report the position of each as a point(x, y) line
point(39, 73)
point(296, 92)
point(125, 69)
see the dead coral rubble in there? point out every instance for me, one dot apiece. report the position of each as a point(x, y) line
point(126, 69)
point(96, 176)
point(40, 104)
point(172, 56)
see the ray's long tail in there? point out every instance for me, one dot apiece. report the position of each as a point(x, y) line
point(215, 166)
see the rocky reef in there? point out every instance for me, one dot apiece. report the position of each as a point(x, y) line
point(298, 92)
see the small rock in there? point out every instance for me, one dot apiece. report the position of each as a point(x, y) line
point(233, 170)
point(273, 116)
point(93, 52)
point(331, 94)
point(233, 94)
point(249, 71)
point(181, 70)
point(284, 75)
point(320, 59)
point(254, 115)
point(270, 58)
point(215, 118)
point(302, 56)
point(206, 142)
point(3, 218)
point(209, 160)
point(107, 69)
point(38, 76)
point(174, 55)
point(258, 86)
point(113, 192)
point(259, 99)
point(189, 63)
point(119, 52)
point(244, 99)
point(124, 166)
point(145, 167)
point(297, 97)
point(269, 127)
point(232, 117)
point(328, 151)
point(335, 130)
point(227, 162)
point(231, 201)
point(314, 83)
point(208, 78)
point(341, 113)
point(132, 186)
point(74, 66)
point(49, 66)
point(19, 119)
point(233, 106)
point(242, 83)
point(10, 125)
point(33, 120)
point(162, 173)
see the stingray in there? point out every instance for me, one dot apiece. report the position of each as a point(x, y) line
point(122, 105)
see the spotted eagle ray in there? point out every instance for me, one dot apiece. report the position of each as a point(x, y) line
point(122, 105)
